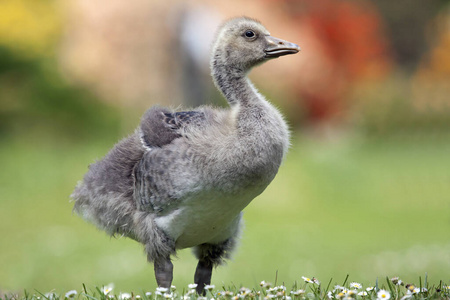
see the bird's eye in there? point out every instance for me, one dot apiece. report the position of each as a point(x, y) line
point(249, 34)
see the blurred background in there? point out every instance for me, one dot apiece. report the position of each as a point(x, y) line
point(365, 188)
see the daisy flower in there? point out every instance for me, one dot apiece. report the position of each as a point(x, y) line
point(297, 292)
point(338, 287)
point(396, 281)
point(192, 286)
point(123, 296)
point(244, 290)
point(280, 288)
point(107, 289)
point(210, 287)
point(370, 288)
point(363, 293)
point(408, 295)
point(50, 295)
point(228, 294)
point(162, 290)
point(71, 294)
point(410, 287)
point(355, 285)
point(306, 279)
point(383, 294)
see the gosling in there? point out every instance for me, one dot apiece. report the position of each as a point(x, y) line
point(182, 179)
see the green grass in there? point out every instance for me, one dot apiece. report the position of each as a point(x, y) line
point(307, 288)
point(369, 208)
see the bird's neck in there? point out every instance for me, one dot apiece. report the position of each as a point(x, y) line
point(234, 84)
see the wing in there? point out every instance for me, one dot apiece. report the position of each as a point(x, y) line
point(160, 126)
point(153, 190)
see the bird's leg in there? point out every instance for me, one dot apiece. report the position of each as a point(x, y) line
point(164, 272)
point(203, 275)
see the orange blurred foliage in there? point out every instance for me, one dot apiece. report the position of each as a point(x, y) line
point(431, 82)
point(353, 49)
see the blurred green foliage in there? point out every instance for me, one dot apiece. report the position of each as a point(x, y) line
point(36, 101)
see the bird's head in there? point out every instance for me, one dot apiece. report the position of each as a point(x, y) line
point(243, 43)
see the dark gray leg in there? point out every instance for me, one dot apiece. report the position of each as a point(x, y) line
point(203, 275)
point(163, 272)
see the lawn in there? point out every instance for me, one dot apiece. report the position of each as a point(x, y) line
point(370, 208)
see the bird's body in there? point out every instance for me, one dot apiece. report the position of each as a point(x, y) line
point(182, 179)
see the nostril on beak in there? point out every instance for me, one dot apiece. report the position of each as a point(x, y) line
point(280, 43)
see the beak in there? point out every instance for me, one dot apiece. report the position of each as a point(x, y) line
point(276, 47)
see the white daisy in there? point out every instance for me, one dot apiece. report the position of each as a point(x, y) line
point(396, 281)
point(50, 296)
point(210, 287)
point(107, 288)
point(192, 286)
point(280, 288)
point(244, 290)
point(162, 290)
point(355, 285)
point(297, 292)
point(408, 295)
point(123, 296)
point(71, 294)
point(306, 279)
point(363, 293)
point(383, 294)
point(370, 288)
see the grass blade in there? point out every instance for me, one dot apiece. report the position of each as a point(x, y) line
point(345, 281)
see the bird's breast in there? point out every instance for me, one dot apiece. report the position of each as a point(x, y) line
point(208, 217)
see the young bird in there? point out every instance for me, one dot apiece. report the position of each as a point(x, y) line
point(182, 179)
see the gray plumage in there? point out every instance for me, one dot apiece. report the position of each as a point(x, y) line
point(182, 179)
